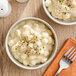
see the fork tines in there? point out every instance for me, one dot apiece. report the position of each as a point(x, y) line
point(70, 55)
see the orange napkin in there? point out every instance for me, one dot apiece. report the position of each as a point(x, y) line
point(54, 66)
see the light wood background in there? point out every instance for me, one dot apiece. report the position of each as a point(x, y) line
point(31, 9)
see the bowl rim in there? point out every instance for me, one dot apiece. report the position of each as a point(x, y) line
point(54, 19)
point(15, 61)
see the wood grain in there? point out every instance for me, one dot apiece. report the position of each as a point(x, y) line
point(31, 9)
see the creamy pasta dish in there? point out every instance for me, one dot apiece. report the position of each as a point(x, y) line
point(62, 9)
point(31, 42)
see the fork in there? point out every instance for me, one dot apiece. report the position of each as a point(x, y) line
point(67, 59)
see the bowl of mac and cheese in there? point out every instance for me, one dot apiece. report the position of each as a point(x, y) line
point(61, 11)
point(31, 43)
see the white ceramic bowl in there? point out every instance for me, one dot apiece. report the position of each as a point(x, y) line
point(18, 63)
point(57, 20)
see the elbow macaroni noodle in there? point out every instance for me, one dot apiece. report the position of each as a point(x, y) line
point(62, 9)
point(31, 42)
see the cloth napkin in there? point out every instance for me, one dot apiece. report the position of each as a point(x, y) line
point(54, 66)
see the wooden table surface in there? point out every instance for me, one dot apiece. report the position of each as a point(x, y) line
point(31, 9)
